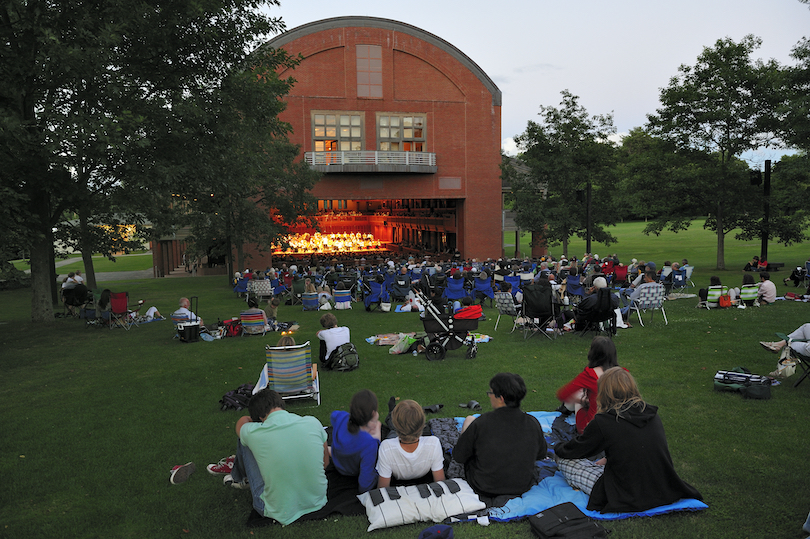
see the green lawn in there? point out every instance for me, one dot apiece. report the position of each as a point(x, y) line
point(133, 262)
point(94, 419)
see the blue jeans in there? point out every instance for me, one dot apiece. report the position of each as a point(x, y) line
point(245, 467)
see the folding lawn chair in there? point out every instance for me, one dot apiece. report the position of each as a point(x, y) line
point(538, 311)
point(121, 314)
point(483, 289)
point(252, 323)
point(602, 319)
point(310, 301)
point(505, 303)
point(373, 294)
point(679, 281)
point(289, 371)
point(650, 298)
point(802, 361)
point(343, 299)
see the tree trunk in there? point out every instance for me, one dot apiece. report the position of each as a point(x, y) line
point(41, 287)
point(87, 252)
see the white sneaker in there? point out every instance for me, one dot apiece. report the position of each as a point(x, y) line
point(228, 481)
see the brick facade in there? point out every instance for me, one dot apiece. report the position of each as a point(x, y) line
point(421, 74)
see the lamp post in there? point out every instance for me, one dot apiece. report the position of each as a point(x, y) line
point(766, 211)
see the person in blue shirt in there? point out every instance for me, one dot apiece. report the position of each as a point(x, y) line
point(356, 439)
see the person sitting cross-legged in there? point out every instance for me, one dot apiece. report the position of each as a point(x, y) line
point(281, 457)
point(636, 473)
point(499, 448)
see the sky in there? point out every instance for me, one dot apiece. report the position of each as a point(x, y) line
point(616, 56)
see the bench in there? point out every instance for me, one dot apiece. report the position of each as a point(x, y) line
point(774, 266)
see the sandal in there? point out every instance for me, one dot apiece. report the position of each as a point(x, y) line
point(433, 408)
point(472, 405)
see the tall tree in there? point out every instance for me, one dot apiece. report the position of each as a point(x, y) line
point(86, 89)
point(720, 105)
point(795, 107)
point(570, 163)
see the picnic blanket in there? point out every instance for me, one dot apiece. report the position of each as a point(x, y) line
point(554, 489)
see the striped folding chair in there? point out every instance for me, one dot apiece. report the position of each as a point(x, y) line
point(343, 299)
point(289, 372)
point(650, 299)
point(252, 323)
point(310, 301)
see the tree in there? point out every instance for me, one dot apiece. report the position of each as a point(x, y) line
point(567, 188)
point(86, 90)
point(721, 105)
point(795, 108)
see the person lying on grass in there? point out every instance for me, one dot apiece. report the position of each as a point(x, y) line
point(410, 458)
point(637, 473)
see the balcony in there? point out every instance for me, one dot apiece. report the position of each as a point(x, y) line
point(371, 161)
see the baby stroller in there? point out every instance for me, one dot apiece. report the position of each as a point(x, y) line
point(446, 332)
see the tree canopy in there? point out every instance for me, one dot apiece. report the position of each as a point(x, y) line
point(569, 160)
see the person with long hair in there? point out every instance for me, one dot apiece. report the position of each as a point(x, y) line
point(356, 440)
point(637, 472)
point(580, 394)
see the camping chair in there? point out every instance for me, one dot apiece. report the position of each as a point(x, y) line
point(241, 286)
point(400, 287)
point(298, 289)
point(310, 301)
point(602, 319)
point(455, 290)
point(482, 288)
point(260, 289)
point(619, 279)
point(374, 294)
point(689, 270)
point(514, 280)
point(290, 373)
point(714, 293)
point(574, 289)
point(748, 294)
point(538, 311)
point(505, 303)
point(679, 281)
point(76, 298)
point(343, 299)
point(252, 323)
point(650, 298)
point(802, 361)
point(121, 314)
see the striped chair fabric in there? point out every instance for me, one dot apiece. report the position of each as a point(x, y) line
point(310, 301)
point(252, 323)
point(343, 299)
point(289, 371)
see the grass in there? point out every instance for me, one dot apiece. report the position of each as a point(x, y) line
point(94, 419)
point(132, 262)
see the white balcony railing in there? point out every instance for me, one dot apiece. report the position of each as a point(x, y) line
point(370, 158)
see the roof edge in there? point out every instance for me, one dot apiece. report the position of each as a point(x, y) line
point(397, 26)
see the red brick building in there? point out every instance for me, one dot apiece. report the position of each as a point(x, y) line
point(406, 130)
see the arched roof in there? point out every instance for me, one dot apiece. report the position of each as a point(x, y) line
point(396, 26)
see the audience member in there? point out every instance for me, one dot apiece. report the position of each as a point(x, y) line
point(356, 440)
point(767, 290)
point(499, 449)
point(410, 458)
point(184, 311)
point(637, 472)
point(580, 394)
point(331, 336)
point(281, 457)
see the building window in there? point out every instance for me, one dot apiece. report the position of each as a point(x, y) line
point(401, 133)
point(369, 71)
point(337, 132)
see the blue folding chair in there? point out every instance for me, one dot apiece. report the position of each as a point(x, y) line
point(483, 289)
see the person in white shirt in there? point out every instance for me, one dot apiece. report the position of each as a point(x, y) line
point(410, 458)
point(767, 290)
point(331, 336)
point(184, 311)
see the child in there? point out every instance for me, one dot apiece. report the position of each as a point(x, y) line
point(409, 458)
point(356, 439)
point(274, 303)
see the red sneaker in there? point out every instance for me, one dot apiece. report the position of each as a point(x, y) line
point(223, 467)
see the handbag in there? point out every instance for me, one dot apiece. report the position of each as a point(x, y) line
point(724, 301)
point(565, 520)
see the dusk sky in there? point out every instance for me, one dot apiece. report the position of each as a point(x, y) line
point(614, 55)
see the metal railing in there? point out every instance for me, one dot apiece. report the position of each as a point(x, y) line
point(370, 158)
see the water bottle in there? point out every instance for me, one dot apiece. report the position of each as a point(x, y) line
point(414, 353)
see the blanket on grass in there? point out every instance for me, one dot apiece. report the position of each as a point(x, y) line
point(554, 489)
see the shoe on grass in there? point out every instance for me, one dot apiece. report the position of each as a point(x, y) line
point(773, 346)
point(181, 472)
point(223, 467)
point(229, 482)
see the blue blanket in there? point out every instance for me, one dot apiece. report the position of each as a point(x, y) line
point(555, 490)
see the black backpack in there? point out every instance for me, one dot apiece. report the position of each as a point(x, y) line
point(565, 521)
point(237, 399)
point(343, 358)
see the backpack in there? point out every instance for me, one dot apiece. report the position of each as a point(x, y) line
point(565, 520)
point(233, 328)
point(343, 358)
point(237, 399)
